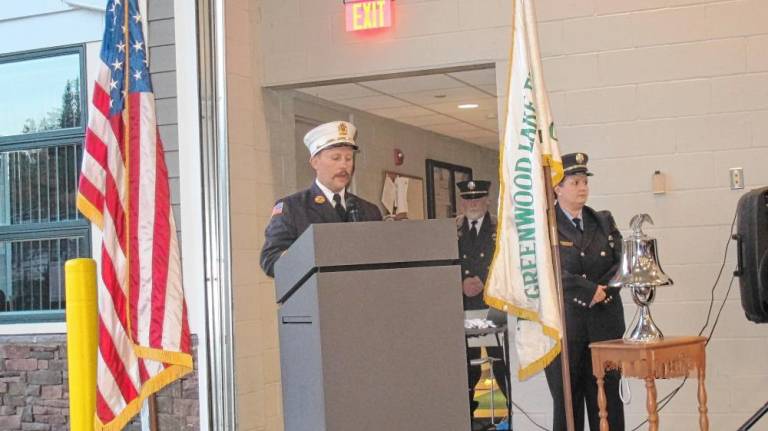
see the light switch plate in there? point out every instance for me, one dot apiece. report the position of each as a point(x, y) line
point(737, 178)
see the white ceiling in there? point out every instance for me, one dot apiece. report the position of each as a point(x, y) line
point(429, 102)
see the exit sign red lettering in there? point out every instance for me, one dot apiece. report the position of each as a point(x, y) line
point(368, 14)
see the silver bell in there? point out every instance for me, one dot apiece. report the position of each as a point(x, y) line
point(640, 271)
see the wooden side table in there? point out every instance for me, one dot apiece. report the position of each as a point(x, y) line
point(669, 358)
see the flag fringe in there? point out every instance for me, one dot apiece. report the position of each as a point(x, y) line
point(151, 386)
point(166, 356)
point(539, 364)
point(523, 313)
point(557, 168)
point(90, 212)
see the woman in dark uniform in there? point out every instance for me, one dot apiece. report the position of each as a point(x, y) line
point(590, 252)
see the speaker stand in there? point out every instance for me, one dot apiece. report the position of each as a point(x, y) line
point(756, 417)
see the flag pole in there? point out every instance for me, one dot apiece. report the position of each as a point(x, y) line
point(151, 399)
point(565, 365)
point(127, 156)
point(543, 119)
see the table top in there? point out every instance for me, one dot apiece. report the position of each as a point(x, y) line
point(476, 332)
point(667, 342)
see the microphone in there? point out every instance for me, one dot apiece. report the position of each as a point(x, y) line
point(353, 213)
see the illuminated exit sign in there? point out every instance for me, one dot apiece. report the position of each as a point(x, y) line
point(368, 14)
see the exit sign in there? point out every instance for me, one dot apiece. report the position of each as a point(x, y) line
point(368, 14)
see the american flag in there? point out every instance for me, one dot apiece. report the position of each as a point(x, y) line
point(144, 341)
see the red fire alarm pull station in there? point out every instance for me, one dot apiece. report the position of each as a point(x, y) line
point(399, 157)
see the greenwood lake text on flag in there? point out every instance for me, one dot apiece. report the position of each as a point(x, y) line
point(522, 279)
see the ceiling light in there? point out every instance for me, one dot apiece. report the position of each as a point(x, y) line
point(468, 106)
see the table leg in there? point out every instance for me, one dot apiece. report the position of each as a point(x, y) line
point(602, 403)
point(703, 420)
point(653, 415)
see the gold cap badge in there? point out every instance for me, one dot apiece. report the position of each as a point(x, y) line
point(343, 130)
point(579, 158)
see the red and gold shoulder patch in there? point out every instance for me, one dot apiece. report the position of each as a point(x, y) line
point(277, 209)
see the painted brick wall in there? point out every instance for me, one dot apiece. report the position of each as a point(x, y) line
point(255, 181)
point(676, 86)
point(679, 86)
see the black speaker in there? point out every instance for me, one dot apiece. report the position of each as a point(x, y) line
point(752, 241)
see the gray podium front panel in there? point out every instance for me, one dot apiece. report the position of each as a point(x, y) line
point(375, 350)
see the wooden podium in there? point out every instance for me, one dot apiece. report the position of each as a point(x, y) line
point(372, 328)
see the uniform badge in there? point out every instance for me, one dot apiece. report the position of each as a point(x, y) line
point(566, 243)
point(320, 199)
point(580, 158)
point(277, 209)
point(471, 185)
point(343, 130)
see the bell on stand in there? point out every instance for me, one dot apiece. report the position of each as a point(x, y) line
point(640, 271)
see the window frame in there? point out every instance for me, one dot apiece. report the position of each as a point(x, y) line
point(47, 53)
point(43, 140)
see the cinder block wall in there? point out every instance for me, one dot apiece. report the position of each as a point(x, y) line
point(679, 86)
point(255, 180)
point(675, 86)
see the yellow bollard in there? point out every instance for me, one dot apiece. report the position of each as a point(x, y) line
point(82, 341)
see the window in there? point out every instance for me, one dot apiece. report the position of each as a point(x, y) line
point(42, 127)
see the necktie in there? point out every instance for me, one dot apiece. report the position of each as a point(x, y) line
point(339, 207)
point(473, 229)
point(577, 222)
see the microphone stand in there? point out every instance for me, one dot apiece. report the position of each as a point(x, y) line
point(353, 213)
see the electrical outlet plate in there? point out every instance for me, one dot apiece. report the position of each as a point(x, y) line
point(737, 178)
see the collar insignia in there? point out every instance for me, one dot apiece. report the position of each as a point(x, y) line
point(319, 199)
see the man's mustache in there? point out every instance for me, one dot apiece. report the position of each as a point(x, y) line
point(344, 174)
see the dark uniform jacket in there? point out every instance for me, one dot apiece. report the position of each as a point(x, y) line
point(292, 215)
point(588, 259)
point(476, 255)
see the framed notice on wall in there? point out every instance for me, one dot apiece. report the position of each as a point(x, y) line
point(441, 187)
point(403, 196)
